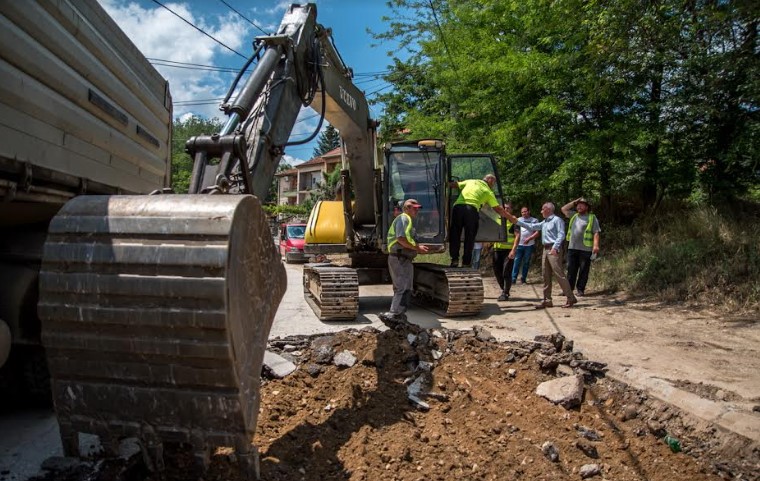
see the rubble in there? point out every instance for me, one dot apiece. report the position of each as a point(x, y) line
point(276, 366)
point(472, 411)
point(565, 391)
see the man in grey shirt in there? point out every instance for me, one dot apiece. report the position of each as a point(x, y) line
point(552, 236)
point(583, 234)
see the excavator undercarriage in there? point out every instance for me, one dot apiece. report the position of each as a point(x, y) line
point(333, 291)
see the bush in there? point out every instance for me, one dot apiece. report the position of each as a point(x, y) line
point(705, 254)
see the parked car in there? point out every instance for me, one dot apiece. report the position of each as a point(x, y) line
point(291, 242)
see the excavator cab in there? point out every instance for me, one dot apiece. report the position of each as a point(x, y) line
point(416, 170)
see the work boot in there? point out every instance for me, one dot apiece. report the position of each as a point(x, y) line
point(393, 320)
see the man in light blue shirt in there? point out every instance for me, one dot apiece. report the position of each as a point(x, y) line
point(552, 235)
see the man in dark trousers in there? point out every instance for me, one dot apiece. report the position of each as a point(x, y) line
point(504, 257)
point(402, 248)
point(473, 194)
point(583, 235)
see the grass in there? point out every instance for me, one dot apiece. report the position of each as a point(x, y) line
point(700, 254)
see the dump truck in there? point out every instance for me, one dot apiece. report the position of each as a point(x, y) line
point(149, 312)
point(82, 113)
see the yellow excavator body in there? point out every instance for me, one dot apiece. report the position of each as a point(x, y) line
point(326, 224)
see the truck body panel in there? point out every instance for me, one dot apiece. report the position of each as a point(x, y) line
point(81, 109)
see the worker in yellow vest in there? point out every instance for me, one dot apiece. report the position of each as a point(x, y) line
point(504, 256)
point(583, 235)
point(402, 248)
point(473, 195)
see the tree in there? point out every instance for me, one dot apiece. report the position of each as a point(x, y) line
point(327, 141)
point(326, 189)
point(616, 100)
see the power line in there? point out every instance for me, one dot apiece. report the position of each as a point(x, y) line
point(443, 37)
point(199, 29)
point(244, 17)
point(380, 90)
point(191, 66)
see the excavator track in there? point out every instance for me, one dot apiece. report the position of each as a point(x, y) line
point(331, 291)
point(451, 291)
point(155, 315)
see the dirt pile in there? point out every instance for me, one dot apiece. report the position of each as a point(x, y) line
point(473, 414)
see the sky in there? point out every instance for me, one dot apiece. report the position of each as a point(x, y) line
point(200, 69)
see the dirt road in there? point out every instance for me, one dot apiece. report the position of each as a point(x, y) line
point(702, 363)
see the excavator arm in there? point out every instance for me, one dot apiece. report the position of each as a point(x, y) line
point(156, 309)
point(298, 66)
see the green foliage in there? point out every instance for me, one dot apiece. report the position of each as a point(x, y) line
point(326, 189)
point(328, 139)
point(702, 253)
point(182, 163)
point(288, 210)
point(623, 102)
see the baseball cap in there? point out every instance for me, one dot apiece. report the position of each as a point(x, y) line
point(583, 200)
point(412, 203)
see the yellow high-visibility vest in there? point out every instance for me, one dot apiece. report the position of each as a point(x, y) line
point(507, 245)
point(392, 237)
point(588, 234)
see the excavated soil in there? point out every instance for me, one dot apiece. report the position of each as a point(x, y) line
point(345, 414)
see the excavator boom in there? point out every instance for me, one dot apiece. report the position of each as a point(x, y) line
point(156, 309)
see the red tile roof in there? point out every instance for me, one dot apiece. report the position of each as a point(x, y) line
point(329, 156)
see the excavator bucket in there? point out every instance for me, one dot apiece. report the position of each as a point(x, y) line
point(155, 316)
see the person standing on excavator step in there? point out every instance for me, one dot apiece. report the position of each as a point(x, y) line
point(473, 194)
point(402, 248)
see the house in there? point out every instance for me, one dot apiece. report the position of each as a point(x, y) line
point(295, 185)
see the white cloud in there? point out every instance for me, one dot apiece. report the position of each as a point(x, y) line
point(159, 34)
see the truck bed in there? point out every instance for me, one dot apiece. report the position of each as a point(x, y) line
point(81, 110)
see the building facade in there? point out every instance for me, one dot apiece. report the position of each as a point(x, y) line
point(296, 185)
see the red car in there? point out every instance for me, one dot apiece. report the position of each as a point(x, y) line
point(291, 242)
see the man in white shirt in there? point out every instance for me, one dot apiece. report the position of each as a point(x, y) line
point(525, 248)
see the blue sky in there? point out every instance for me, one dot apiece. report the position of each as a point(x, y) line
point(171, 44)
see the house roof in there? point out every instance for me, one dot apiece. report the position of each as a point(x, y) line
point(283, 173)
point(331, 156)
point(332, 153)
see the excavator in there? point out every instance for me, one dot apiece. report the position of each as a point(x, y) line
point(155, 309)
point(418, 169)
